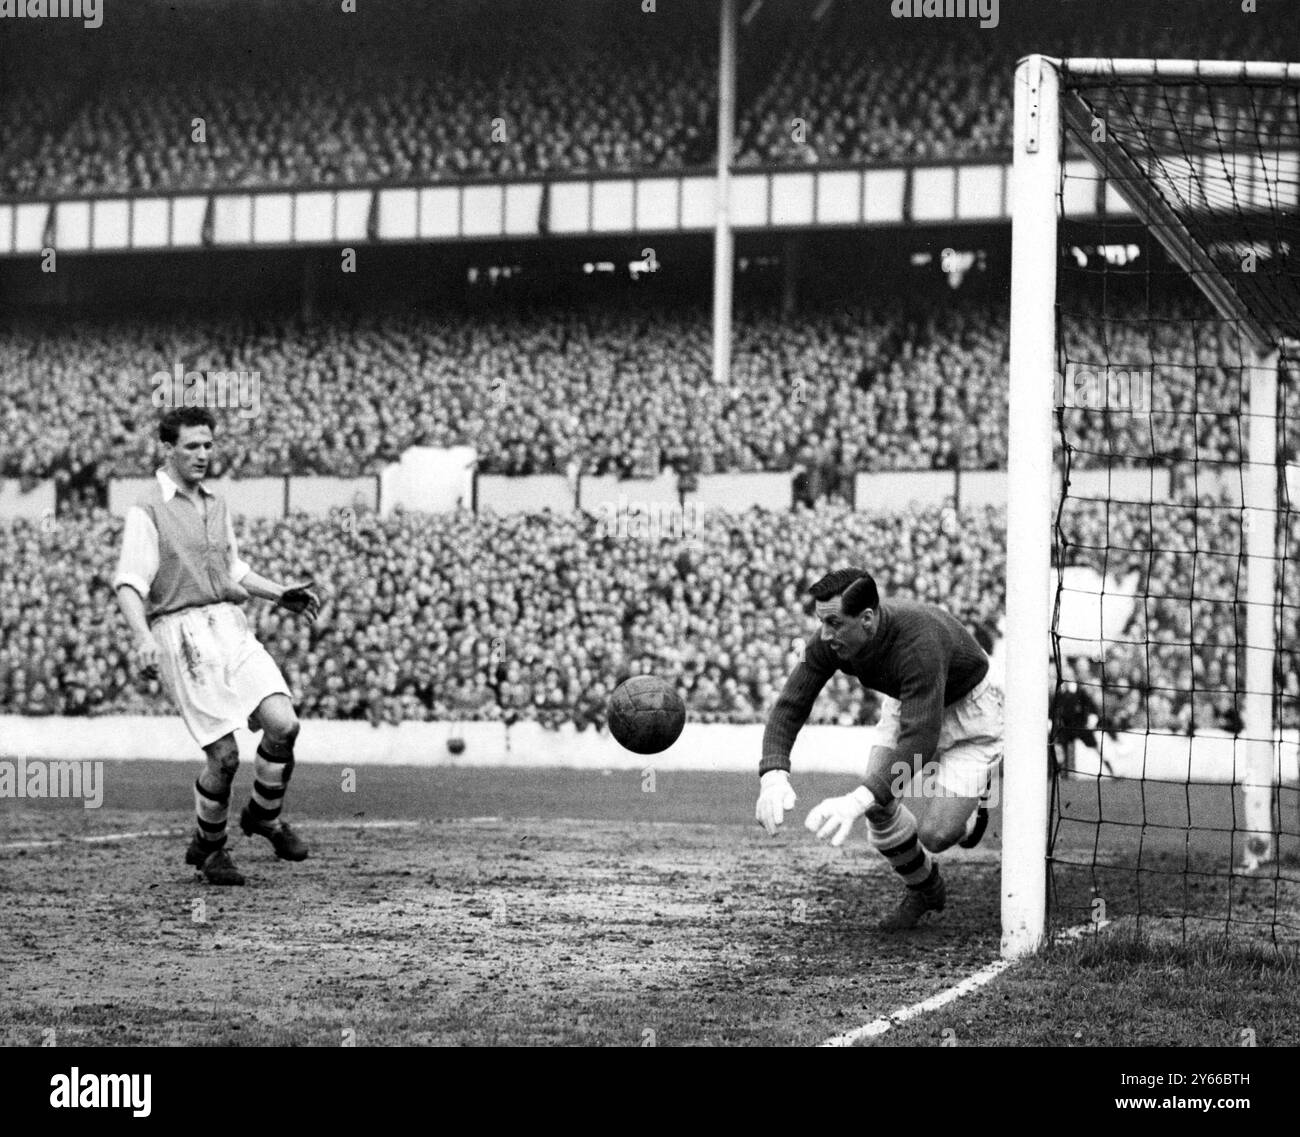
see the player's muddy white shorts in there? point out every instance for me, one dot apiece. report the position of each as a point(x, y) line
point(215, 668)
point(970, 740)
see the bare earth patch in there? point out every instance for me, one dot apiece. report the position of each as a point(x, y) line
point(470, 931)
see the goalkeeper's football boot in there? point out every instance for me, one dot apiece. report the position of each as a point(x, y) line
point(287, 844)
point(981, 823)
point(916, 905)
point(215, 864)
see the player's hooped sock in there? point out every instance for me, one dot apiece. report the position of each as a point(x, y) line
point(211, 809)
point(891, 829)
point(271, 773)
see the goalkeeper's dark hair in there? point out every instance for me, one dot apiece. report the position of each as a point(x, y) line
point(169, 429)
point(854, 586)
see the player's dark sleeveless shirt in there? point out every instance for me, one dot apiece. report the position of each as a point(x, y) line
point(919, 655)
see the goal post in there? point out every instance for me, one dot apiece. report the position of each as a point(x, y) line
point(1262, 773)
point(1205, 155)
point(1035, 176)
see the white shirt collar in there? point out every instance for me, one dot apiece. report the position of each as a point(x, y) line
point(169, 487)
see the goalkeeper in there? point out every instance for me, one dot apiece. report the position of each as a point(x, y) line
point(180, 584)
point(940, 707)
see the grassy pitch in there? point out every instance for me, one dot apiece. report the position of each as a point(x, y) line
point(469, 906)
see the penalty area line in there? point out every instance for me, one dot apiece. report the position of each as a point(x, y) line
point(974, 982)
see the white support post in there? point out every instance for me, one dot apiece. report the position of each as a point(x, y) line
point(1259, 513)
point(723, 241)
point(1035, 176)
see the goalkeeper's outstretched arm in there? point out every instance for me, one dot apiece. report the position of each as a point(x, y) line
point(776, 796)
point(789, 714)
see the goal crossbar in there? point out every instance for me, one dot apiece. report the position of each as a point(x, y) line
point(1176, 70)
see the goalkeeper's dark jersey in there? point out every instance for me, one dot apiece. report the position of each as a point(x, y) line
point(920, 655)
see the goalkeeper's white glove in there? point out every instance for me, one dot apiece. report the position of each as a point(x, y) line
point(835, 816)
point(774, 798)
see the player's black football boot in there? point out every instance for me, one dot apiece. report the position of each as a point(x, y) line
point(287, 844)
point(916, 905)
point(215, 864)
point(976, 834)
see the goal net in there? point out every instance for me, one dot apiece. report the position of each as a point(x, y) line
point(1153, 543)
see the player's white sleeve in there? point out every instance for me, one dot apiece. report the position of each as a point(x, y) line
point(238, 569)
point(138, 563)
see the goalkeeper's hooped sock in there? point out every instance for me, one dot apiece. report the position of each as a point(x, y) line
point(271, 772)
point(891, 830)
point(211, 810)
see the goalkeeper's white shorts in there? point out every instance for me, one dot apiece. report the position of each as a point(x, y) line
point(969, 753)
point(215, 668)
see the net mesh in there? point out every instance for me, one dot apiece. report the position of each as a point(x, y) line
point(1177, 277)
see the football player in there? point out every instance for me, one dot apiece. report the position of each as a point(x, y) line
point(181, 585)
point(941, 714)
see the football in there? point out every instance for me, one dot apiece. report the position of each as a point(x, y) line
point(646, 714)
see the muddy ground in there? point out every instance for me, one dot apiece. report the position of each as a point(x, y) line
point(473, 906)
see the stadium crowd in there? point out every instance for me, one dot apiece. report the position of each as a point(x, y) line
point(602, 390)
point(1179, 665)
point(315, 129)
point(434, 99)
point(437, 617)
point(458, 617)
point(496, 617)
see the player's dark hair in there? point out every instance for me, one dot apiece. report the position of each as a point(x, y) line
point(855, 586)
point(169, 429)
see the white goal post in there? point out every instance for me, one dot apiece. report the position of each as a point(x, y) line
point(1039, 113)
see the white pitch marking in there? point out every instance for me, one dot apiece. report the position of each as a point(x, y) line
point(971, 983)
point(881, 1025)
point(95, 840)
point(976, 856)
point(394, 823)
point(102, 838)
point(307, 825)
